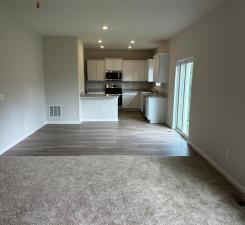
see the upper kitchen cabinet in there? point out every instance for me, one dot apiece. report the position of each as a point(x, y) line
point(114, 64)
point(161, 68)
point(128, 70)
point(134, 70)
point(150, 70)
point(96, 70)
point(140, 70)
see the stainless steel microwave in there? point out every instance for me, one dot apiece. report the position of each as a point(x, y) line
point(113, 75)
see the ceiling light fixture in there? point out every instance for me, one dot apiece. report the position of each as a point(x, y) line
point(129, 46)
point(100, 41)
point(132, 42)
point(102, 46)
point(105, 27)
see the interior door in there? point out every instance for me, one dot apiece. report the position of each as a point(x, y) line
point(184, 75)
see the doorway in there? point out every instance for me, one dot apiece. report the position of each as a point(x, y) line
point(183, 84)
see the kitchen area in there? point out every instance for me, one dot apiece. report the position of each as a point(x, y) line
point(118, 84)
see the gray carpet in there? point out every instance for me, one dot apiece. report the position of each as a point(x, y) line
point(114, 190)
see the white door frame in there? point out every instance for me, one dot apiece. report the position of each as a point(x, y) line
point(176, 92)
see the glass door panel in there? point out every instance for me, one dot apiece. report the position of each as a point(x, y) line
point(183, 95)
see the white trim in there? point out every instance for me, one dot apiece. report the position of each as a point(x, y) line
point(64, 122)
point(6, 148)
point(100, 120)
point(232, 180)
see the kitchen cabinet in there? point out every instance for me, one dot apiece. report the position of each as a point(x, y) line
point(131, 101)
point(134, 70)
point(96, 70)
point(128, 70)
point(156, 109)
point(100, 69)
point(161, 68)
point(150, 70)
point(114, 64)
point(141, 102)
point(139, 70)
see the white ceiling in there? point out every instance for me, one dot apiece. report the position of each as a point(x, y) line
point(148, 22)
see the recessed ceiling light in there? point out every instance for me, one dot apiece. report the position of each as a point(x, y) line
point(102, 46)
point(105, 27)
point(129, 46)
point(100, 41)
point(132, 42)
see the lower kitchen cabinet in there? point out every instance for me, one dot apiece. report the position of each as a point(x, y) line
point(131, 101)
point(156, 109)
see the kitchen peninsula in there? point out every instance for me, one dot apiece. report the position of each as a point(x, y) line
point(99, 107)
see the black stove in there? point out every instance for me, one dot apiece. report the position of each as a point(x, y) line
point(111, 89)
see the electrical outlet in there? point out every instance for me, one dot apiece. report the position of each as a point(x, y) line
point(74, 112)
point(227, 153)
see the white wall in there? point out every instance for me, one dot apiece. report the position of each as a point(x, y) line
point(21, 81)
point(217, 44)
point(62, 77)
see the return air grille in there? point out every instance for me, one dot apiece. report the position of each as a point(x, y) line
point(55, 111)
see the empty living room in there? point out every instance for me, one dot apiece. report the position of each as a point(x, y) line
point(122, 112)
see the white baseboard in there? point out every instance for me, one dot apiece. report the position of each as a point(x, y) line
point(63, 122)
point(232, 180)
point(100, 120)
point(6, 148)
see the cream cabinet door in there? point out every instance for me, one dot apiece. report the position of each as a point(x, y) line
point(126, 100)
point(135, 101)
point(91, 70)
point(100, 70)
point(139, 70)
point(118, 65)
point(156, 68)
point(109, 64)
point(128, 70)
point(150, 70)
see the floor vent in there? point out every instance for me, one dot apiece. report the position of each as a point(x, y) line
point(55, 111)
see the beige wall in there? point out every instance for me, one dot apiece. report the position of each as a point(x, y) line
point(124, 54)
point(163, 48)
point(62, 77)
point(81, 65)
point(217, 109)
point(22, 83)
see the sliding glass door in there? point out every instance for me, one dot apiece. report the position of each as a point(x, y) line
point(184, 72)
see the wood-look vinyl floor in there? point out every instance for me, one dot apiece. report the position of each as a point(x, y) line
point(132, 135)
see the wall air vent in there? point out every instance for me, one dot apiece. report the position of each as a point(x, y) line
point(55, 111)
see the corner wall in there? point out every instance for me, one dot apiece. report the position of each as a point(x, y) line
point(22, 111)
point(62, 78)
point(217, 108)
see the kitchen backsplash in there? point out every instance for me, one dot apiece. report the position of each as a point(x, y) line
point(163, 89)
point(98, 86)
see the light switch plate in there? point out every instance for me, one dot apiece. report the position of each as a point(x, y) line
point(2, 97)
